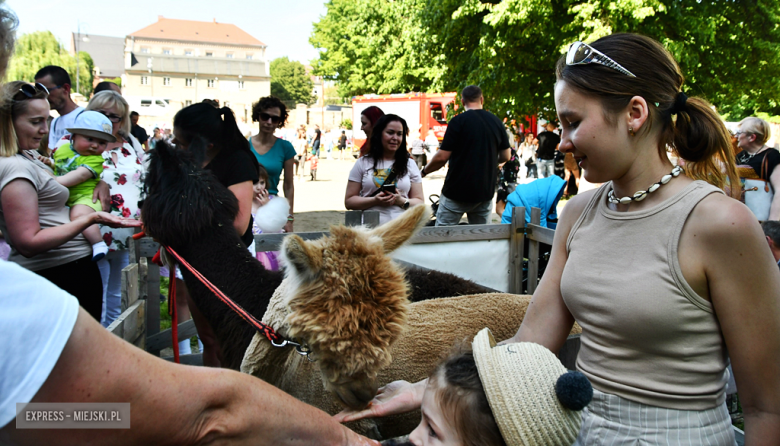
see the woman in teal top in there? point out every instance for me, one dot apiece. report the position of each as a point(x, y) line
point(275, 154)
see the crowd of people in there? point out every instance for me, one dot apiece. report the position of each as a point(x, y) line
point(675, 285)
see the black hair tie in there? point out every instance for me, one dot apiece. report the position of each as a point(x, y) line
point(680, 103)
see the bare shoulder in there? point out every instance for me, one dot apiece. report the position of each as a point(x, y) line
point(721, 220)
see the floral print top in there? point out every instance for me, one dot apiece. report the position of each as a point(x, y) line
point(124, 172)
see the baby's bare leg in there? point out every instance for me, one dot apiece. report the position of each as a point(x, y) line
point(92, 233)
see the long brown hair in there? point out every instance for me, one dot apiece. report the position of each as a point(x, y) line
point(697, 134)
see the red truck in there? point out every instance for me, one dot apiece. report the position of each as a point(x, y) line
point(423, 111)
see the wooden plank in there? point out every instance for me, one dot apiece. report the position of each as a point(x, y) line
point(143, 272)
point(147, 247)
point(569, 351)
point(130, 324)
point(540, 234)
point(462, 233)
point(516, 243)
point(193, 359)
point(163, 339)
point(533, 253)
point(129, 285)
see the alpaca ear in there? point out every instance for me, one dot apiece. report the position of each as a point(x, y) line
point(397, 232)
point(302, 256)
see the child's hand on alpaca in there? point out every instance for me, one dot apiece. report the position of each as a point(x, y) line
point(395, 398)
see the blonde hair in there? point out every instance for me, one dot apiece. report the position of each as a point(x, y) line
point(758, 127)
point(9, 144)
point(109, 98)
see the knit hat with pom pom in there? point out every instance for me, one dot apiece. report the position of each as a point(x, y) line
point(534, 400)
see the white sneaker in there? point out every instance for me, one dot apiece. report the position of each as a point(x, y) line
point(99, 250)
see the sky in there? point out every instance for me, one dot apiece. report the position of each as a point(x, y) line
point(283, 25)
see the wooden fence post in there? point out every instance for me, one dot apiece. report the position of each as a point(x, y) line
point(533, 253)
point(366, 218)
point(516, 243)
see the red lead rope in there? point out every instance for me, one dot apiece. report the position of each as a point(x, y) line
point(267, 331)
point(274, 337)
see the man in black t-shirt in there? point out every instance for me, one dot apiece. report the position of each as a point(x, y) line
point(475, 144)
point(138, 131)
point(545, 153)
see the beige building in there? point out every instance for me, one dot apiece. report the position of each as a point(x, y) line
point(175, 63)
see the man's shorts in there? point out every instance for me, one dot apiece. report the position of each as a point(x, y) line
point(85, 200)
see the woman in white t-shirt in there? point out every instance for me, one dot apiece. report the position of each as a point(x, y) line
point(388, 167)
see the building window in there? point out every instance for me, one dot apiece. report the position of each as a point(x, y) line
point(240, 85)
point(188, 82)
point(229, 55)
point(144, 80)
point(210, 83)
point(209, 54)
point(167, 81)
point(188, 52)
point(167, 51)
point(145, 50)
point(250, 56)
point(187, 103)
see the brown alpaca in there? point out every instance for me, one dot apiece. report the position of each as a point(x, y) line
point(346, 299)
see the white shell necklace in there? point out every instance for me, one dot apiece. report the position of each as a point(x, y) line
point(642, 194)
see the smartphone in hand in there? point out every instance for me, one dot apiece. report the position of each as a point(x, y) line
point(389, 188)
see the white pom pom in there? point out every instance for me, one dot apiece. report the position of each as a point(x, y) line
point(273, 216)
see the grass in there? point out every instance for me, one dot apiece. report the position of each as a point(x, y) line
point(165, 318)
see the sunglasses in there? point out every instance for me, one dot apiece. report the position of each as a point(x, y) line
point(265, 117)
point(111, 117)
point(28, 91)
point(581, 53)
point(741, 132)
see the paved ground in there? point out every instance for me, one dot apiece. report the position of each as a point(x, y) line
point(319, 204)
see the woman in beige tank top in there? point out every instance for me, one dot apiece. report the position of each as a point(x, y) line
point(663, 279)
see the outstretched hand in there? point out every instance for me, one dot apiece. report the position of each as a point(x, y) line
point(104, 218)
point(395, 398)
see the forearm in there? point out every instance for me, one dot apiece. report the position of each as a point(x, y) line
point(774, 209)
point(358, 203)
point(75, 177)
point(435, 163)
point(247, 411)
point(289, 194)
point(47, 239)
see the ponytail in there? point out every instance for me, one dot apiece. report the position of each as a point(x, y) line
point(700, 137)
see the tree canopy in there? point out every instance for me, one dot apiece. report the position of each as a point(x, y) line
point(729, 50)
point(290, 82)
point(36, 50)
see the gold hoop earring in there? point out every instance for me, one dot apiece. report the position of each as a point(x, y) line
point(631, 131)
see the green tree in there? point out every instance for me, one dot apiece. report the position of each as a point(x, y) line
point(371, 47)
point(290, 82)
point(729, 50)
point(36, 50)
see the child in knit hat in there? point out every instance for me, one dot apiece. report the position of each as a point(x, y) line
point(508, 395)
point(78, 165)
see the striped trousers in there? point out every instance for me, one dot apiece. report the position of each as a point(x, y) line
point(612, 420)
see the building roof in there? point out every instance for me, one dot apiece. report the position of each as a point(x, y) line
point(193, 31)
point(108, 53)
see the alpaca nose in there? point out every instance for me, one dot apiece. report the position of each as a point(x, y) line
point(357, 394)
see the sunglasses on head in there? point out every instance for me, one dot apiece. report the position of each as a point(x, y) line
point(265, 117)
point(111, 117)
point(581, 53)
point(28, 91)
